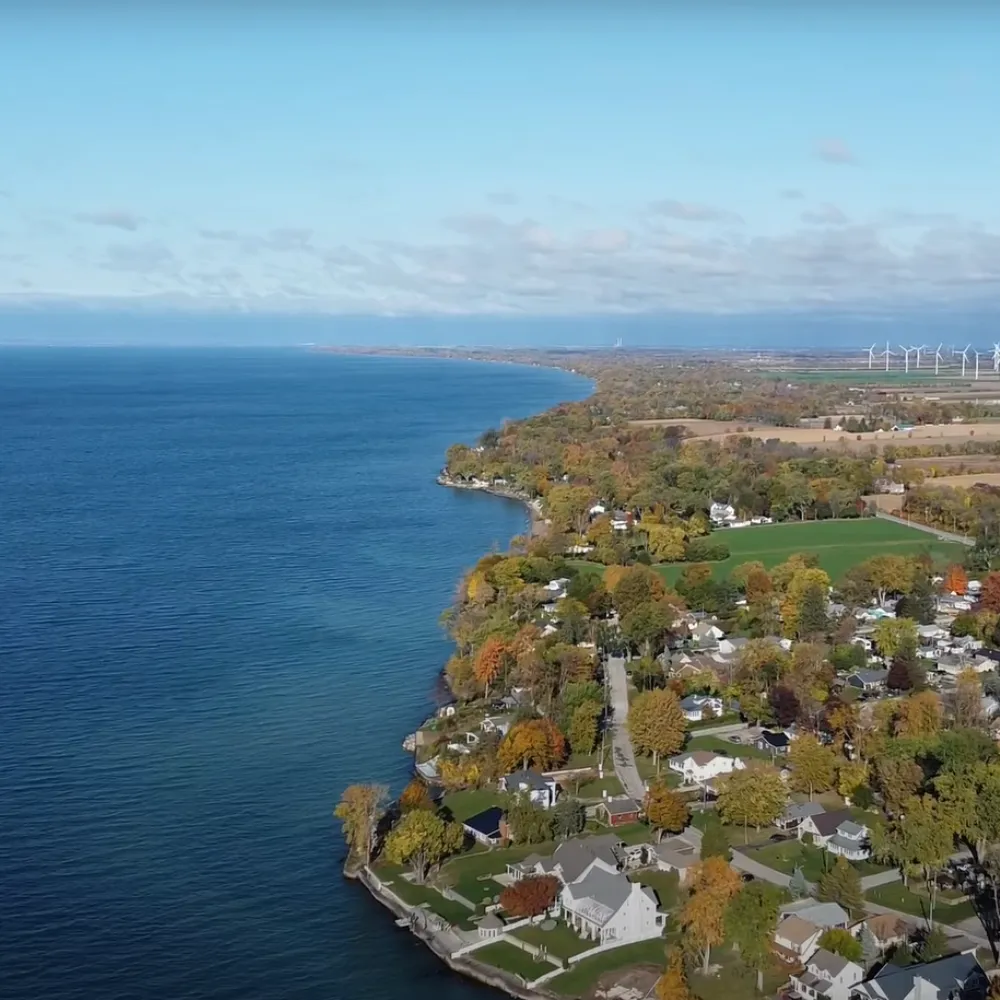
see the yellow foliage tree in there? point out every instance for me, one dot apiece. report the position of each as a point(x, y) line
point(920, 714)
point(713, 884)
point(656, 724)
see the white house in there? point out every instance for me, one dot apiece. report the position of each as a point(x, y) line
point(796, 939)
point(720, 512)
point(828, 976)
point(499, 724)
point(729, 647)
point(620, 521)
point(702, 766)
point(597, 510)
point(706, 633)
point(954, 667)
point(837, 833)
point(606, 907)
point(540, 790)
point(556, 589)
point(956, 977)
point(695, 707)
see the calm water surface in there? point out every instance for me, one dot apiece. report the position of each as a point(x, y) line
point(220, 576)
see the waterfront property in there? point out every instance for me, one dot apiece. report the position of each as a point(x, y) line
point(486, 827)
point(540, 790)
point(608, 907)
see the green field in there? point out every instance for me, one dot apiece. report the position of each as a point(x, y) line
point(838, 544)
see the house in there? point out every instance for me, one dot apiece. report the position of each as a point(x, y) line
point(607, 907)
point(720, 512)
point(825, 915)
point(837, 833)
point(796, 939)
point(702, 766)
point(701, 706)
point(618, 810)
point(887, 929)
point(796, 813)
point(572, 859)
point(621, 521)
point(486, 827)
point(556, 589)
point(957, 977)
point(729, 647)
point(932, 633)
point(868, 680)
point(539, 789)
point(774, 742)
point(706, 633)
point(597, 510)
point(827, 976)
point(955, 665)
point(676, 854)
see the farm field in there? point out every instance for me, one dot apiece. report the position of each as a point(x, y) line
point(970, 479)
point(838, 544)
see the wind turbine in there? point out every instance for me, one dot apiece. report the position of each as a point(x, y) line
point(871, 356)
point(996, 357)
point(907, 351)
point(937, 358)
point(886, 354)
point(965, 358)
point(977, 366)
point(922, 347)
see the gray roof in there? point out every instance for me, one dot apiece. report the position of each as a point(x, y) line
point(609, 890)
point(846, 843)
point(851, 830)
point(619, 805)
point(954, 973)
point(798, 811)
point(574, 856)
point(739, 642)
point(823, 915)
point(821, 986)
point(677, 853)
point(869, 676)
point(530, 777)
point(830, 966)
point(491, 922)
point(827, 823)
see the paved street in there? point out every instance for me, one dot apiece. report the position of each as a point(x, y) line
point(621, 753)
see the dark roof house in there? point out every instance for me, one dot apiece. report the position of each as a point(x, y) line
point(957, 977)
point(485, 826)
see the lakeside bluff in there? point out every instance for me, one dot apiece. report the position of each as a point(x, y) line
point(724, 723)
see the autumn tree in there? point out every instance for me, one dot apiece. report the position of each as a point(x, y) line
point(843, 943)
point(673, 984)
point(967, 700)
point(535, 742)
point(784, 705)
point(637, 585)
point(491, 660)
point(656, 724)
point(360, 809)
point(893, 634)
point(842, 884)
point(900, 677)
point(898, 778)
point(889, 575)
point(583, 726)
point(956, 581)
point(803, 589)
point(751, 796)
point(416, 796)
point(919, 715)
point(665, 809)
point(813, 765)
point(422, 840)
point(713, 884)
point(530, 897)
point(989, 595)
point(751, 918)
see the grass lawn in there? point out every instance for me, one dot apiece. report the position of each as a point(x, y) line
point(594, 789)
point(510, 958)
point(918, 904)
point(582, 976)
point(666, 885)
point(417, 895)
point(470, 874)
point(462, 805)
point(838, 544)
point(647, 771)
point(719, 744)
point(561, 941)
point(813, 861)
point(734, 981)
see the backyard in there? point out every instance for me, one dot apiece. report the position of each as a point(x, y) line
point(508, 957)
point(561, 941)
point(814, 861)
point(897, 896)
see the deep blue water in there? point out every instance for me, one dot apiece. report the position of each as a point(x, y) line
point(220, 576)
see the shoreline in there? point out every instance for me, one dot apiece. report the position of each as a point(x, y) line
point(538, 525)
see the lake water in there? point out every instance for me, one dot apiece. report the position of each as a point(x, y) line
point(220, 577)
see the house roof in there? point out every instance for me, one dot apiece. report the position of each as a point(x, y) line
point(798, 811)
point(607, 892)
point(677, 853)
point(956, 972)
point(530, 777)
point(887, 927)
point(620, 805)
point(574, 856)
point(824, 915)
point(486, 822)
point(775, 739)
point(699, 757)
point(851, 829)
point(845, 843)
point(828, 822)
point(829, 965)
point(793, 928)
point(870, 676)
point(490, 922)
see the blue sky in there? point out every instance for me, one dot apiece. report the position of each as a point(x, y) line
point(566, 159)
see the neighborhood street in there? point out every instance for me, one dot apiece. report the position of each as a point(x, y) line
point(621, 744)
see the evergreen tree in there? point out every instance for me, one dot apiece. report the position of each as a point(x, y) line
point(933, 945)
point(813, 619)
point(714, 839)
point(870, 950)
point(798, 885)
point(842, 884)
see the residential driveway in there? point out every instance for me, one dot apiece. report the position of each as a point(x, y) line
point(621, 745)
point(742, 863)
point(882, 878)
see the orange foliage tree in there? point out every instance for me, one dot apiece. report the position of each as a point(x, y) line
point(529, 897)
point(533, 742)
point(491, 660)
point(956, 581)
point(989, 596)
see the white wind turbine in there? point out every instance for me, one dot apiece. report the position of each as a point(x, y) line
point(886, 354)
point(937, 358)
point(977, 365)
point(965, 358)
point(907, 351)
point(871, 356)
point(996, 357)
point(922, 347)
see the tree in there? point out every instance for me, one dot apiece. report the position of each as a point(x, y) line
point(813, 765)
point(784, 705)
point(892, 634)
point(529, 823)
point(798, 885)
point(570, 817)
point(870, 949)
point(898, 779)
point(920, 603)
point(530, 897)
point(491, 660)
point(422, 840)
point(582, 730)
point(751, 918)
point(804, 588)
point(967, 701)
point(919, 715)
point(416, 796)
point(989, 595)
point(665, 809)
point(656, 724)
point(673, 984)
point(812, 617)
point(899, 677)
point(752, 796)
point(714, 839)
point(934, 944)
point(956, 581)
point(534, 741)
point(646, 625)
point(713, 884)
point(842, 884)
point(842, 943)
point(359, 811)
point(889, 575)
point(637, 585)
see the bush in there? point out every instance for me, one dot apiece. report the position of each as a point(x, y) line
point(705, 550)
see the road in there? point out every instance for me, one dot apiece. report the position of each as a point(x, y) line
point(621, 753)
point(945, 536)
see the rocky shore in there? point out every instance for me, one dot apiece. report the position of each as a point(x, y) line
point(534, 505)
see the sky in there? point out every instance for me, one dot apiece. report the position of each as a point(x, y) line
point(545, 159)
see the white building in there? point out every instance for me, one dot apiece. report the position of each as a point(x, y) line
point(540, 790)
point(606, 907)
point(702, 766)
point(722, 512)
point(828, 976)
point(796, 939)
point(837, 833)
point(695, 706)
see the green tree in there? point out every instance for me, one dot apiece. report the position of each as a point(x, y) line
point(798, 885)
point(814, 766)
point(842, 943)
point(583, 727)
point(422, 840)
point(893, 634)
point(870, 949)
point(656, 724)
point(569, 817)
point(933, 945)
point(812, 619)
point(751, 918)
point(842, 884)
point(647, 624)
point(754, 796)
point(529, 823)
